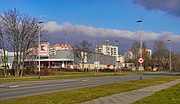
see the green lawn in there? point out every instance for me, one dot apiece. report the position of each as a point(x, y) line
point(88, 93)
point(167, 96)
point(62, 75)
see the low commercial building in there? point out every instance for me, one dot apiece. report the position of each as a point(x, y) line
point(53, 57)
point(68, 58)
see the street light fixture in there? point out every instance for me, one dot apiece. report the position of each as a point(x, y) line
point(140, 22)
point(39, 39)
point(169, 55)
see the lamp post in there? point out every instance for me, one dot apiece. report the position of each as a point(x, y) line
point(140, 22)
point(169, 55)
point(107, 41)
point(66, 50)
point(39, 39)
point(96, 60)
point(115, 59)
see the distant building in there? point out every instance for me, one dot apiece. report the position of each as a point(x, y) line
point(57, 47)
point(60, 56)
point(128, 55)
point(67, 58)
point(149, 53)
point(120, 61)
point(62, 47)
point(110, 51)
point(107, 49)
point(10, 56)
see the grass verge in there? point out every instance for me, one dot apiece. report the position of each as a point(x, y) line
point(167, 96)
point(88, 93)
point(62, 75)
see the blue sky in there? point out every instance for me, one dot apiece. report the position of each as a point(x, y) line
point(99, 15)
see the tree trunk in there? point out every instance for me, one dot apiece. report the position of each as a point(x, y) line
point(4, 73)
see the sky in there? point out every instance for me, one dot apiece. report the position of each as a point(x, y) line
point(100, 20)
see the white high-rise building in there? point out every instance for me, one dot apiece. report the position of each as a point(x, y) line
point(107, 49)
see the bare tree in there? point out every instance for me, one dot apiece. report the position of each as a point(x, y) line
point(3, 47)
point(160, 54)
point(82, 51)
point(21, 31)
point(136, 51)
point(175, 61)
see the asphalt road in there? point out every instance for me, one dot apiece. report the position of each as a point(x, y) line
point(22, 89)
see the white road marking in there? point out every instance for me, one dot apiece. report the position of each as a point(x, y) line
point(70, 80)
point(13, 86)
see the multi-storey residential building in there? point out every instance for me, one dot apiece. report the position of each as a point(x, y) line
point(107, 49)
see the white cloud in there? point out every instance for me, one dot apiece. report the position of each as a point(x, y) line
point(103, 33)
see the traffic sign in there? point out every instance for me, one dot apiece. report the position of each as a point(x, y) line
point(140, 60)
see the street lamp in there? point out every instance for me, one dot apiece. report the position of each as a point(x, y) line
point(107, 50)
point(140, 22)
point(96, 59)
point(115, 58)
point(169, 55)
point(39, 39)
point(66, 49)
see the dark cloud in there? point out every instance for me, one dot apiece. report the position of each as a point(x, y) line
point(170, 6)
point(99, 35)
point(59, 37)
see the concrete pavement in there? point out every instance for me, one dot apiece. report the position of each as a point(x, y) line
point(132, 96)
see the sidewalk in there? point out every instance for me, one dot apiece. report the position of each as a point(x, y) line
point(132, 96)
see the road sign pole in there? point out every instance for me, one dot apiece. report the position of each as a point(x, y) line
point(141, 72)
point(141, 60)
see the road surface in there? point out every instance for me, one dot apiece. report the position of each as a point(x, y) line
point(28, 88)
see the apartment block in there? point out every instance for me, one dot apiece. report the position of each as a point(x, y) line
point(107, 49)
